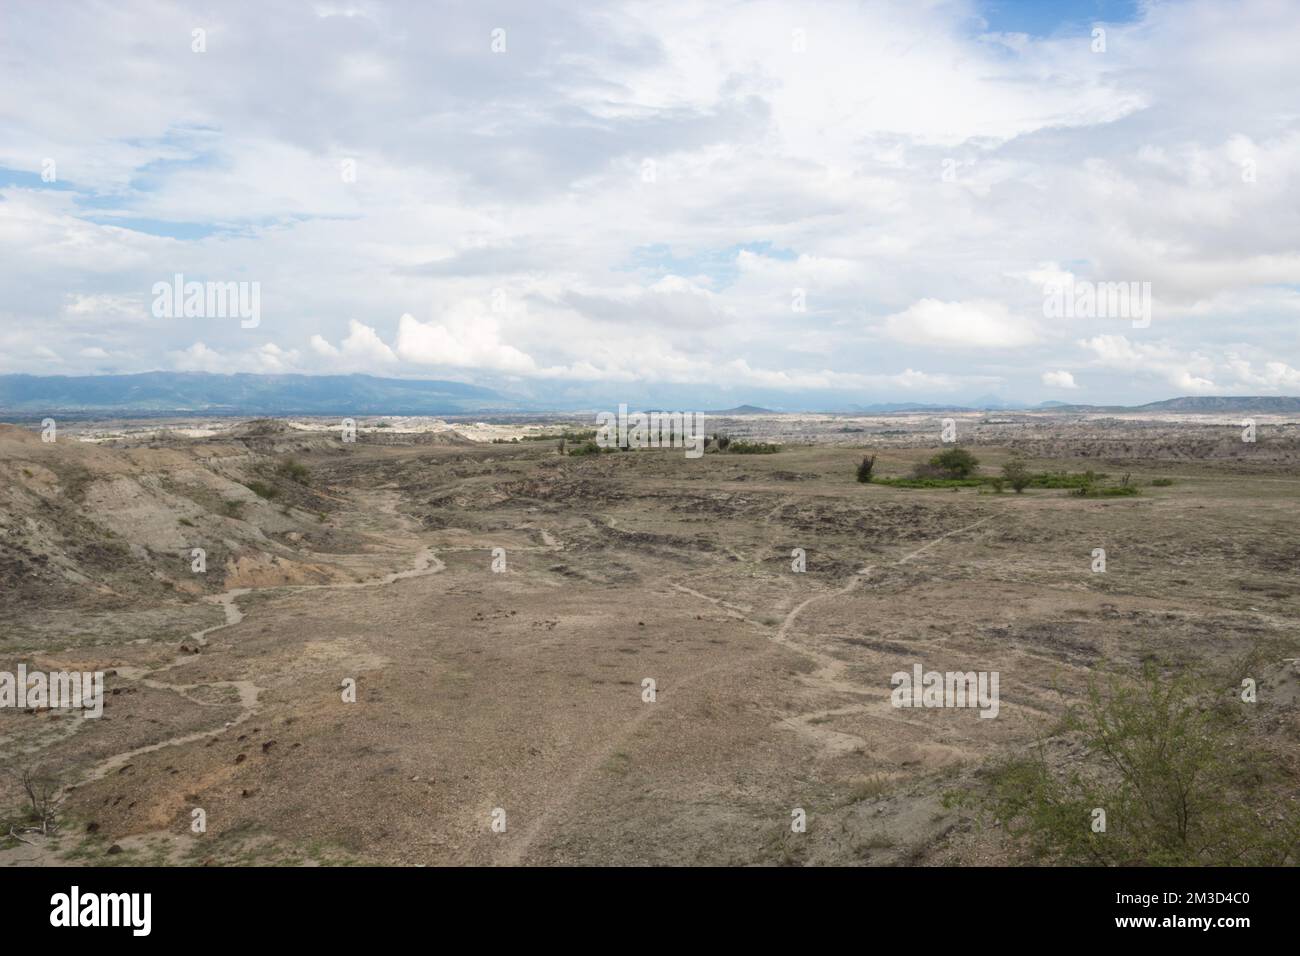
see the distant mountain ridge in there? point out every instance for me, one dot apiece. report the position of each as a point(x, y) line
point(743, 410)
point(1202, 404)
point(1205, 404)
point(206, 393)
point(203, 393)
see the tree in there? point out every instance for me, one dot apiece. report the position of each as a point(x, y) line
point(864, 469)
point(44, 795)
point(956, 463)
point(1016, 472)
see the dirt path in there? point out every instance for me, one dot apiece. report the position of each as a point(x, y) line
point(426, 562)
point(826, 678)
point(828, 675)
point(554, 809)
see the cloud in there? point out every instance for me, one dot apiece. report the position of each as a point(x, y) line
point(364, 346)
point(1274, 376)
point(1174, 158)
point(198, 358)
point(980, 325)
point(266, 359)
point(1060, 379)
point(468, 337)
point(1186, 372)
point(322, 347)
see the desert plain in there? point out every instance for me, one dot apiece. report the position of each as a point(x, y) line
point(427, 647)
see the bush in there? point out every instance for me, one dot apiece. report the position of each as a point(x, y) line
point(563, 436)
point(931, 482)
point(1171, 775)
point(1017, 475)
point(262, 489)
point(1066, 479)
point(722, 441)
point(1084, 484)
point(1114, 491)
point(586, 448)
point(293, 471)
point(1161, 482)
point(753, 448)
point(864, 469)
point(955, 463)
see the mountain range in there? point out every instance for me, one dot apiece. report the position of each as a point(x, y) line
point(203, 393)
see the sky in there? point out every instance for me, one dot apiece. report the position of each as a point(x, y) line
point(799, 205)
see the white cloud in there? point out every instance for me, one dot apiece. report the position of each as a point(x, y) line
point(268, 359)
point(1188, 372)
point(468, 337)
point(979, 325)
point(1174, 158)
point(198, 358)
point(1059, 379)
point(363, 345)
point(323, 347)
point(1274, 376)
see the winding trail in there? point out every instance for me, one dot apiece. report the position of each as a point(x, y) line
point(826, 677)
point(426, 562)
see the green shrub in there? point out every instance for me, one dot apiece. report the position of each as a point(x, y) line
point(1161, 482)
point(955, 463)
point(262, 489)
point(1172, 774)
point(293, 471)
point(563, 436)
point(1085, 484)
point(753, 448)
point(1017, 475)
point(1112, 491)
point(586, 448)
point(931, 482)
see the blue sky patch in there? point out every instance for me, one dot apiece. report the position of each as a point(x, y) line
point(719, 265)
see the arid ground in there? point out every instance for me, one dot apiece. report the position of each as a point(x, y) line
point(523, 689)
